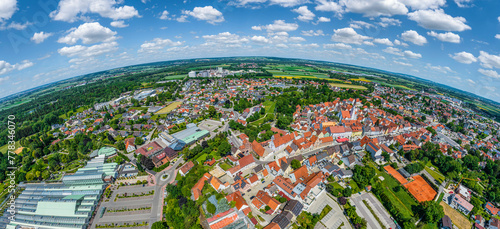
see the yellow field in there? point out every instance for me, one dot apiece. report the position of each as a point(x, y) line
point(168, 108)
point(458, 219)
point(348, 86)
point(362, 79)
point(307, 77)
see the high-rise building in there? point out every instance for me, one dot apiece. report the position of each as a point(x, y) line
point(192, 74)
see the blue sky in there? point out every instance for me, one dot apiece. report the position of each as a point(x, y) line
point(454, 42)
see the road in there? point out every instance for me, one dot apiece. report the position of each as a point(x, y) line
point(377, 208)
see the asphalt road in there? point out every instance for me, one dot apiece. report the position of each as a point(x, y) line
point(376, 206)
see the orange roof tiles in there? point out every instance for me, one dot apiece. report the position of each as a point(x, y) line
point(257, 147)
point(238, 199)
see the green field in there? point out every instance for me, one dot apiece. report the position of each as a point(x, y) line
point(348, 86)
point(269, 106)
point(436, 175)
point(5, 148)
point(174, 77)
point(401, 199)
point(169, 108)
point(80, 109)
point(225, 166)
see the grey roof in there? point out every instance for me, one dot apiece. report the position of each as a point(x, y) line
point(294, 206)
point(283, 219)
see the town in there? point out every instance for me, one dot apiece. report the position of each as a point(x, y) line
point(237, 148)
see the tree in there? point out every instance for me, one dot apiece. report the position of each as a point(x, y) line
point(432, 211)
point(147, 162)
point(295, 164)
point(211, 208)
point(138, 141)
point(159, 225)
point(342, 200)
point(211, 111)
point(120, 145)
point(347, 192)
point(386, 156)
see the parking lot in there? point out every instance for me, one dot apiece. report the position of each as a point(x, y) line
point(130, 217)
point(334, 218)
point(376, 206)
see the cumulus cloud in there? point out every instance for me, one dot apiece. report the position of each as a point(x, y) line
point(164, 15)
point(437, 19)
point(439, 68)
point(423, 4)
point(383, 41)
point(226, 39)
point(207, 13)
point(337, 46)
point(305, 14)
point(385, 22)
point(6, 67)
point(464, 57)
point(7, 9)
point(413, 37)
point(411, 54)
point(375, 8)
point(323, 19)
point(488, 60)
point(497, 36)
point(446, 37)
point(491, 73)
point(328, 6)
point(296, 39)
point(88, 33)
point(157, 44)
point(311, 33)
point(278, 26)
point(360, 24)
point(118, 24)
point(348, 35)
point(88, 51)
point(260, 39)
point(71, 10)
point(288, 3)
point(40, 37)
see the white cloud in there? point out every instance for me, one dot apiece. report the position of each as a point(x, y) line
point(6, 67)
point(463, 3)
point(360, 24)
point(438, 20)
point(375, 8)
point(164, 15)
point(14, 25)
point(311, 33)
point(411, 54)
point(84, 52)
point(118, 24)
point(246, 2)
point(328, 6)
point(157, 44)
point(288, 3)
point(323, 19)
point(348, 35)
point(491, 73)
point(88, 33)
point(207, 13)
point(402, 63)
point(260, 39)
point(393, 51)
point(383, 41)
point(446, 37)
point(282, 46)
point(278, 26)
point(226, 39)
point(413, 37)
point(305, 14)
point(3, 78)
point(499, 19)
point(71, 10)
point(442, 69)
point(497, 36)
point(297, 39)
point(7, 9)
point(398, 42)
point(464, 57)
point(423, 4)
point(470, 81)
point(489, 61)
point(40, 37)
point(385, 22)
point(337, 46)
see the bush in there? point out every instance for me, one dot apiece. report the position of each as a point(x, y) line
point(211, 208)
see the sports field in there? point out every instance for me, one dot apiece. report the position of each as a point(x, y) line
point(168, 108)
point(420, 189)
point(348, 86)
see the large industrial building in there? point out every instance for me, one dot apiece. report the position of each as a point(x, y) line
point(190, 135)
point(66, 205)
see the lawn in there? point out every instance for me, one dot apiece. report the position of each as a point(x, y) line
point(354, 186)
point(456, 217)
point(269, 106)
point(225, 166)
point(325, 211)
point(438, 176)
point(174, 77)
point(400, 197)
point(169, 108)
point(348, 86)
point(5, 148)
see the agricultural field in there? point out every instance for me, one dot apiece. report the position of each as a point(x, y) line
point(175, 77)
point(169, 108)
point(348, 86)
point(362, 80)
point(456, 217)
